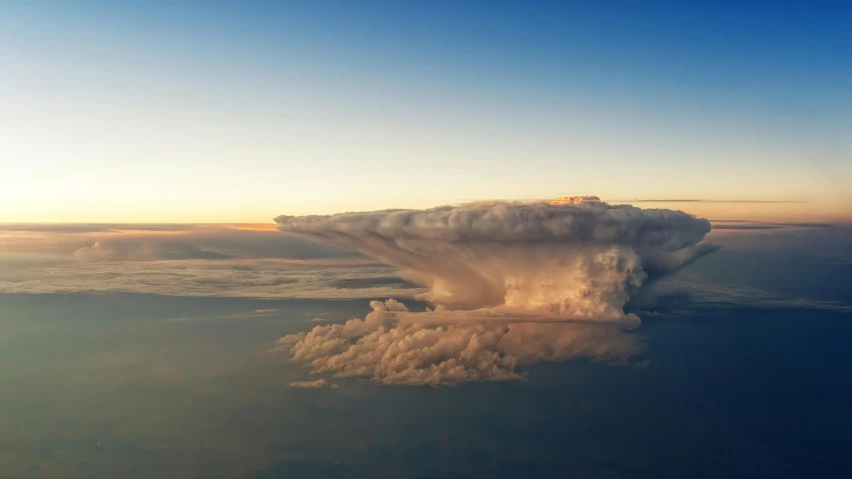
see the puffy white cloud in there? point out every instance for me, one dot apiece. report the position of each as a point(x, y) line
point(392, 346)
point(512, 284)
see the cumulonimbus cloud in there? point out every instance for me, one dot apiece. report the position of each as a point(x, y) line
point(511, 284)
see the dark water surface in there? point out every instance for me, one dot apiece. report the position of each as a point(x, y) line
point(150, 386)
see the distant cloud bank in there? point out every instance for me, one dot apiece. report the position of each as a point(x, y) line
point(511, 284)
point(153, 242)
point(270, 278)
point(695, 200)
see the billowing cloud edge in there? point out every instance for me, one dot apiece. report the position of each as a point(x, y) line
point(511, 284)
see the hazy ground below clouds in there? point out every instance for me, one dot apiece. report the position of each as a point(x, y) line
point(167, 372)
point(126, 386)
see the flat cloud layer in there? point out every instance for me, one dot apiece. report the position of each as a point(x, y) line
point(251, 278)
point(512, 284)
point(238, 260)
point(129, 242)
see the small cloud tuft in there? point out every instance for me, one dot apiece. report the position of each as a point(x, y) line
point(309, 384)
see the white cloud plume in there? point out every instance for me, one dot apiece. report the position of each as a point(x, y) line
point(512, 284)
point(578, 259)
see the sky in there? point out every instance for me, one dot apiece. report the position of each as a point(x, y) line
point(240, 112)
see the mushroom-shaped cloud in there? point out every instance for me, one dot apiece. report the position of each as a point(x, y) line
point(500, 275)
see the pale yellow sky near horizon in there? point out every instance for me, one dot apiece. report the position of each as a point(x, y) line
point(803, 211)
